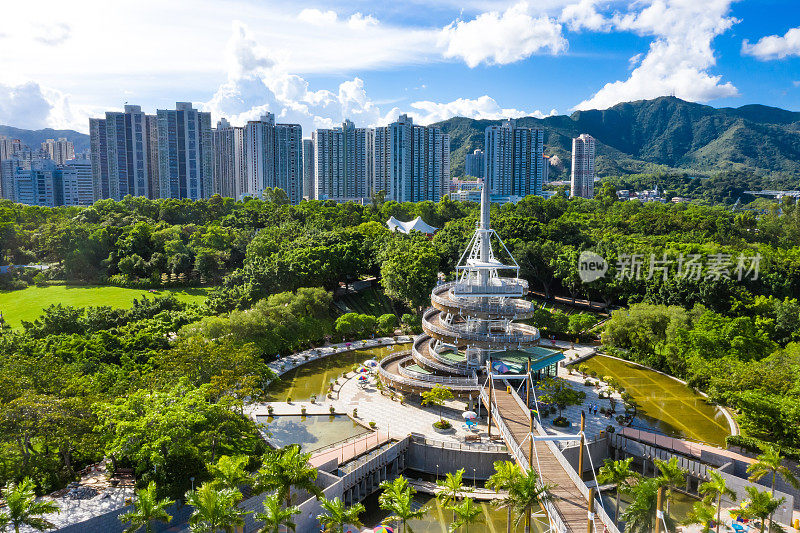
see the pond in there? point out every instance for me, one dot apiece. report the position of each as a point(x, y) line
point(438, 518)
point(314, 377)
point(679, 506)
point(665, 405)
point(310, 432)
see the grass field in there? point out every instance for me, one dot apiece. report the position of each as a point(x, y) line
point(27, 304)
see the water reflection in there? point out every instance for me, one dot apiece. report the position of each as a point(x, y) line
point(310, 432)
point(314, 377)
point(665, 405)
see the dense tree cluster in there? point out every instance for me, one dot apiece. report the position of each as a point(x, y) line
point(72, 379)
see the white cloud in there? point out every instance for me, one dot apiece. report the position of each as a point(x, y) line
point(679, 58)
point(358, 21)
point(29, 105)
point(584, 15)
point(317, 17)
point(774, 46)
point(483, 107)
point(497, 38)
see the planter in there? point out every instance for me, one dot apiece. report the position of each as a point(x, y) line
point(443, 430)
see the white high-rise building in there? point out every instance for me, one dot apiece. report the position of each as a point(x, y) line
point(474, 164)
point(185, 153)
point(76, 182)
point(514, 163)
point(273, 156)
point(229, 160)
point(582, 181)
point(308, 168)
point(344, 164)
point(412, 163)
point(60, 150)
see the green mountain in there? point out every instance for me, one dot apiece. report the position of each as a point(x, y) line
point(664, 134)
point(34, 138)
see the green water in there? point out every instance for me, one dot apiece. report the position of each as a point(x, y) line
point(665, 405)
point(314, 377)
point(679, 505)
point(438, 518)
point(310, 432)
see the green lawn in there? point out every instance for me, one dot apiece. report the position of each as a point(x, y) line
point(27, 304)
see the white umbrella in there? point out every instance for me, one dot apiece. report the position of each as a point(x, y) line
point(370, 362)
point(469, 415)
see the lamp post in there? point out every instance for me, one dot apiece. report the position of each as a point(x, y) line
point(192, 480)
point(437, 472)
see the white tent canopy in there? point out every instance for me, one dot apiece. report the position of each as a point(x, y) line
point(407, 227)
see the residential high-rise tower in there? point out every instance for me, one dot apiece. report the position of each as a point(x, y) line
point(582, 181)
point(185, 152)
point(514, 162)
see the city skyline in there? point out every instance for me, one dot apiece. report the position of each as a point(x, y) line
point(317, 64)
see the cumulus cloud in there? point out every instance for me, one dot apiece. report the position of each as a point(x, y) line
point(30, 105)
point(358, 21)
point(484, 107)
point(679, 58)
point(257, 83)
point(498, 38)
point(584, 15)
point(774, 46)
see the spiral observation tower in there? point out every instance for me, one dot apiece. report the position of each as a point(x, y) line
point(471, 324)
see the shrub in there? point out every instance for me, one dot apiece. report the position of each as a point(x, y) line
point(313, 398)
point(332, 410)
point(289, 399)
point(372, 424)
point(355, 413)
point(561, 422)
point(303, 410)
point(442, 424)
point(270, 410)
point(588, 383)
point(593, 373)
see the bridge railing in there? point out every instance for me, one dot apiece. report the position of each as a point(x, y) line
point(512, 307)
point(554, 516)
point(418, 354)
point(471, 381)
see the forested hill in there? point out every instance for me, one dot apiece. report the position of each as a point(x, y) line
point(659, 135)
point(34, 138)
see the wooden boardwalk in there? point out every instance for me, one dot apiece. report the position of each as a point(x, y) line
point(568, 499)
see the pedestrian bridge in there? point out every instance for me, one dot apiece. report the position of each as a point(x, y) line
point(569, 508)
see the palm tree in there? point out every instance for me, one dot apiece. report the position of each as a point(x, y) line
point(671, 476)
point(505, 473)
point(525, 493)
point(771, 462)
point(716, 489)
point(214, 509)
point(640, 516)
point(762, 505)
point(285, 469)
point(619, 473)
point(702, 513)
point(275, 515)
point(398, 498)
point(22, 509)
point(337, 515)
point(452, 488)
point(466, 513)
point(148, 509)
point(229, 472)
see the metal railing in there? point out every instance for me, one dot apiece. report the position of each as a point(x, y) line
point(521, 334)
point(397, 378)
point(449, 380)
point(556, 521)
point(481, 446)
point(600, 513)
point(495, 286)
point(423, 360)
point(516, 307)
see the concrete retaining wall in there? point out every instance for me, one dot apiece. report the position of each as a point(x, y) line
point(426, 457)
point(597, 449)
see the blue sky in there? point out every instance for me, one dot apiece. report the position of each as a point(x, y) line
point(318, 62)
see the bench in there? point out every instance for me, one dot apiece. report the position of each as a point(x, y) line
point(472, 438)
